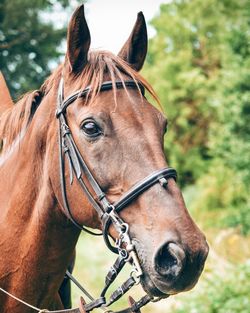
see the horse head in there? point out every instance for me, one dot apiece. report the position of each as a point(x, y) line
point(119, 135)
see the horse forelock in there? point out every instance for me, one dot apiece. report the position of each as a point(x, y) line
point(101, 66)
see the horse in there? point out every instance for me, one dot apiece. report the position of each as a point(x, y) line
point(86, 150)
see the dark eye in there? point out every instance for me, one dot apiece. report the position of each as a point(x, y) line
point(91, 129)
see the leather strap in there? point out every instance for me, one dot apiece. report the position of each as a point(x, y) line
point(133, 193)
point(143, 185)
point(136, 305)
point(67, 147)
point(118, 293)
point(95, 304)
point(76, 310)
point(104, 87)
point(113, 273)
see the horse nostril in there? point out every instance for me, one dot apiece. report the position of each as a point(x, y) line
point(169, 260)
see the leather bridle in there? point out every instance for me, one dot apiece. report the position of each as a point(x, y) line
point(107, 211)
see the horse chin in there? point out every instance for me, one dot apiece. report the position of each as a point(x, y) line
point(151, 289)
point(155, 287)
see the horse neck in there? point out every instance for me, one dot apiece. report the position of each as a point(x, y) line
point(30, 217)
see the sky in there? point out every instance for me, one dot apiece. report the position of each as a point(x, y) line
point(111, 21)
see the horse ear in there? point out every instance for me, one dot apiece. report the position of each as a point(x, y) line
point(6, 101)
point(135, 48)
point(78, 40)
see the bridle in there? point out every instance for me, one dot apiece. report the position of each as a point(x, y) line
point(107, 211)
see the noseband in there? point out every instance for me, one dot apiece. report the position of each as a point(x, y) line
point(107, 211)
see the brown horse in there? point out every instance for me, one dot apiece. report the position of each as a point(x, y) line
point(119, 134)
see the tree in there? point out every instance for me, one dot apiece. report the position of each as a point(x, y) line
point(197, 49)
point(29, 42)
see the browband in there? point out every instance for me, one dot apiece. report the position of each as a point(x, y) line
point(108, 85)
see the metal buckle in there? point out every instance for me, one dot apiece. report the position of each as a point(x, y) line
point(136, 277)
point(163, 182)
point(65, 129)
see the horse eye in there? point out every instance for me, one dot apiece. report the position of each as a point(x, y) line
point(91, 129)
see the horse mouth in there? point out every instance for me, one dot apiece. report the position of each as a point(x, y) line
point(171, 282)
point(151, 289)
point(148, 279)
point(156, 287)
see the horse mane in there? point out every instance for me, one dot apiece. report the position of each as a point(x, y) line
point(16, 118)
point(101, 65)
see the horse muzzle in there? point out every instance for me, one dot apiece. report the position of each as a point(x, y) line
point(172, 269)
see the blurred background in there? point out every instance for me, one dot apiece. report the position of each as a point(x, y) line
point(199, 64)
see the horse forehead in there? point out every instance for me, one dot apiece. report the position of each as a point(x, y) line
point(128, 105)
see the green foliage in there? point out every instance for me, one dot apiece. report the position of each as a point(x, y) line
point(199, 64)
point(29, 42)
point(221, 295)
point(221, 193)
point(189, 61)
point(239, 217)
point(183, 65)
